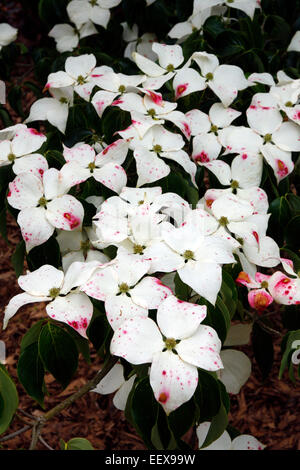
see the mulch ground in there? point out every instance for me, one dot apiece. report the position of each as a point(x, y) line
point(268, 410)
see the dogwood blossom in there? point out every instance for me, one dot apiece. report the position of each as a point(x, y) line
point(44, 206)
point(124, 290)
point(173, 377)
point(224, 442)
point(67, 37)
point(48, 284)
point(83, 163)
point(142, 44)
point(8, 34)
point(22, 142)
point(96, 11)
point(114, 381)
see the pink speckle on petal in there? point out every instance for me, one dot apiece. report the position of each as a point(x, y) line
point(180, 89)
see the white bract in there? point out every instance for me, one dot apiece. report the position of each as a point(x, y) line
point(44, 206)
point(96, 11)
point(67, 37)
point(8, 34)
point(21, 142)
point(125, 290)
point(224, 442)
point(48, 284)
point(173, 377)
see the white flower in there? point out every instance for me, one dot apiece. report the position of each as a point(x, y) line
point(44, 206)
point(67, 37)
point(24, 141)
point(195, 254)
point(48, 284)
point(224, 442)
point(224, 80)
point(83, 163)
point(80, 72)
point(142, 45)
point(55, 109)
point(97, 11)
point(173, 377)
point(114, 382)
point(124, 290)
point(295, 43)
point(8, 34)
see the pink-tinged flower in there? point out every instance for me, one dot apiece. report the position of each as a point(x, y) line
point(44, 206)
point(124, 290)
point(83, 163)
point(224, 442)
point(259, 299)
point(80, 73)
point(66, 303)
point(20, 142)
point(224, 80)
point(175, 347)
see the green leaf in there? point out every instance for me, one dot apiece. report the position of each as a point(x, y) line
point(17, 259)
point(31, 372)
point(78, 443)
point(9, 399)
point(32, 335)
point(47, 253)
point(182, 419)
point(263, 349)
point(292, 231)
point(280, 216)
point(287, 348)
point(182, 290)
point(229, 293)
point(207, 396)
point(144, 410)
point(58, 352)
point(217, 426)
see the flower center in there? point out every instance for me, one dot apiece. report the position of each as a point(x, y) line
point(223, 221)
point(188, 254)
point(138, 249)
point(214, 129)
point(170, 343)
point(54, 292)
point(264, 285)
point(93, 2)
point(123, 288)
point(122, 88)
point(92, 166)
point(268, 138)
point(63, 100)
point(81, 80)
point(151, 112)
point(11, 157)
point(170, 68)
point(234, 184)
point(85, 246)
point(289, 104)
point(43, 201)
point(209, 76)
point(157, 148)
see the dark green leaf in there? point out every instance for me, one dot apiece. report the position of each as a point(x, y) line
point(58, 352)
point(9, 399)
point(31, 372)
point(17, 259)
point(78, 443)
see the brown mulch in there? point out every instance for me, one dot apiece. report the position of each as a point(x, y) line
point(268, 410)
